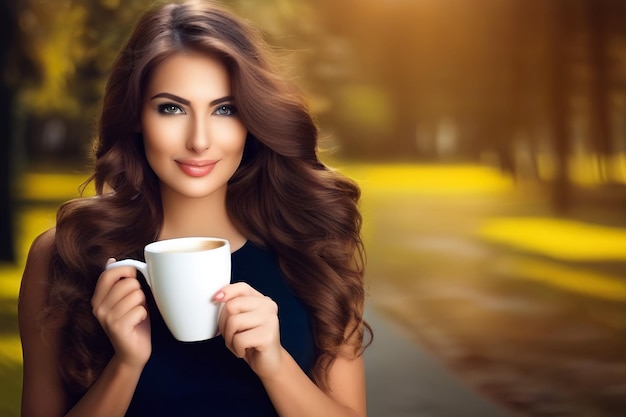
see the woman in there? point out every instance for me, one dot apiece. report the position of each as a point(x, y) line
point(198, 136)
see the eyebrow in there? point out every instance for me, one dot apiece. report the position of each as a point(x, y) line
point(187, 102)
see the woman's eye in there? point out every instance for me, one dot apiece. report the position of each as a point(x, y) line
point(170, 109)
point(226, 110)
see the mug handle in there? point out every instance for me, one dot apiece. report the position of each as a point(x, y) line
point(140, 266)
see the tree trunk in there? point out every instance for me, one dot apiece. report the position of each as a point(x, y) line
point(558, 105)
point(600, 109)
point(7, 25)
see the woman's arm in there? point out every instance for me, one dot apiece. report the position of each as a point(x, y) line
point(249, 325)
point(42, 387)
point(44, 391)
point(294, 394)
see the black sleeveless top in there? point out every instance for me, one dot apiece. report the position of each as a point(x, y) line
point(205, 378)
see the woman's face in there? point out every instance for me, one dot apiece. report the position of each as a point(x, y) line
point(192, 134)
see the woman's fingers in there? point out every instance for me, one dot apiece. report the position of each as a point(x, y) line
point(248, 322)
point(261, 305)
point(103, 302)
point(131, 318)
point(128, 301)
point(245, 303)
point(257, 338)
point(238, 289)
point(108, 279)
point(119, 305)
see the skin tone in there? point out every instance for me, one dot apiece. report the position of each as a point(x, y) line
point(194, 142)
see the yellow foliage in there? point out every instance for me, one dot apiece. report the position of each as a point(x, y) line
point(57, 52)
point(560, 239)
point(429, 179)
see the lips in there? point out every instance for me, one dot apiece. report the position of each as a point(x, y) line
point(196, 168)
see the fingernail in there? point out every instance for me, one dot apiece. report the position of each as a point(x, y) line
point(110, 261)
point(219, 295)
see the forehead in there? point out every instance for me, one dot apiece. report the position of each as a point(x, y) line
point(190, 74)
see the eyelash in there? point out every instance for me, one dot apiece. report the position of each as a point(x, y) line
point(230, 108)
point(166, 108)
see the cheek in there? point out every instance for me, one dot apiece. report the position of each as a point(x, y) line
point(159, 136)
point(233, 137)
point(157, 150)
point(152, 145)
point(148, 132)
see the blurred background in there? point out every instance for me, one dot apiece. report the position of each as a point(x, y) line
point(489, 139)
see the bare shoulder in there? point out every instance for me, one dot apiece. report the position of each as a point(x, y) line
point(33, 291)
point(43, 392)
point(42, 245)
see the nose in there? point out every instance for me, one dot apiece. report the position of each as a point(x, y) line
point(198, 139)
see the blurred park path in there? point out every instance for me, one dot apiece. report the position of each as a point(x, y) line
point(403, 380)
point(526, 307)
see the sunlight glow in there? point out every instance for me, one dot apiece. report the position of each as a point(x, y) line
point(10, 282)
point(44, 187)
point(429, 179)
point(10, 349)
point(578, 280)
point(586, 169)
point(560, 239)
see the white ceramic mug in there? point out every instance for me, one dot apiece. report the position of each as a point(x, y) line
point(184, 274)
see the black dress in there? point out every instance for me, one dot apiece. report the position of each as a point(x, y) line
point(205, 378)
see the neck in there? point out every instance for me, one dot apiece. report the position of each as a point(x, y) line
point(208, 216)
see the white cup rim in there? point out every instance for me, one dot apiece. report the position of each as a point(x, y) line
point(180, 242)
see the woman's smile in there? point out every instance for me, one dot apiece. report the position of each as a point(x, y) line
point(195, 168)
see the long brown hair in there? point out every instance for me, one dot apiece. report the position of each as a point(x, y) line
point(281, 196)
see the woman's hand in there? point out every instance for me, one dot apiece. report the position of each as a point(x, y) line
point(249, 324)
point(119, 304)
